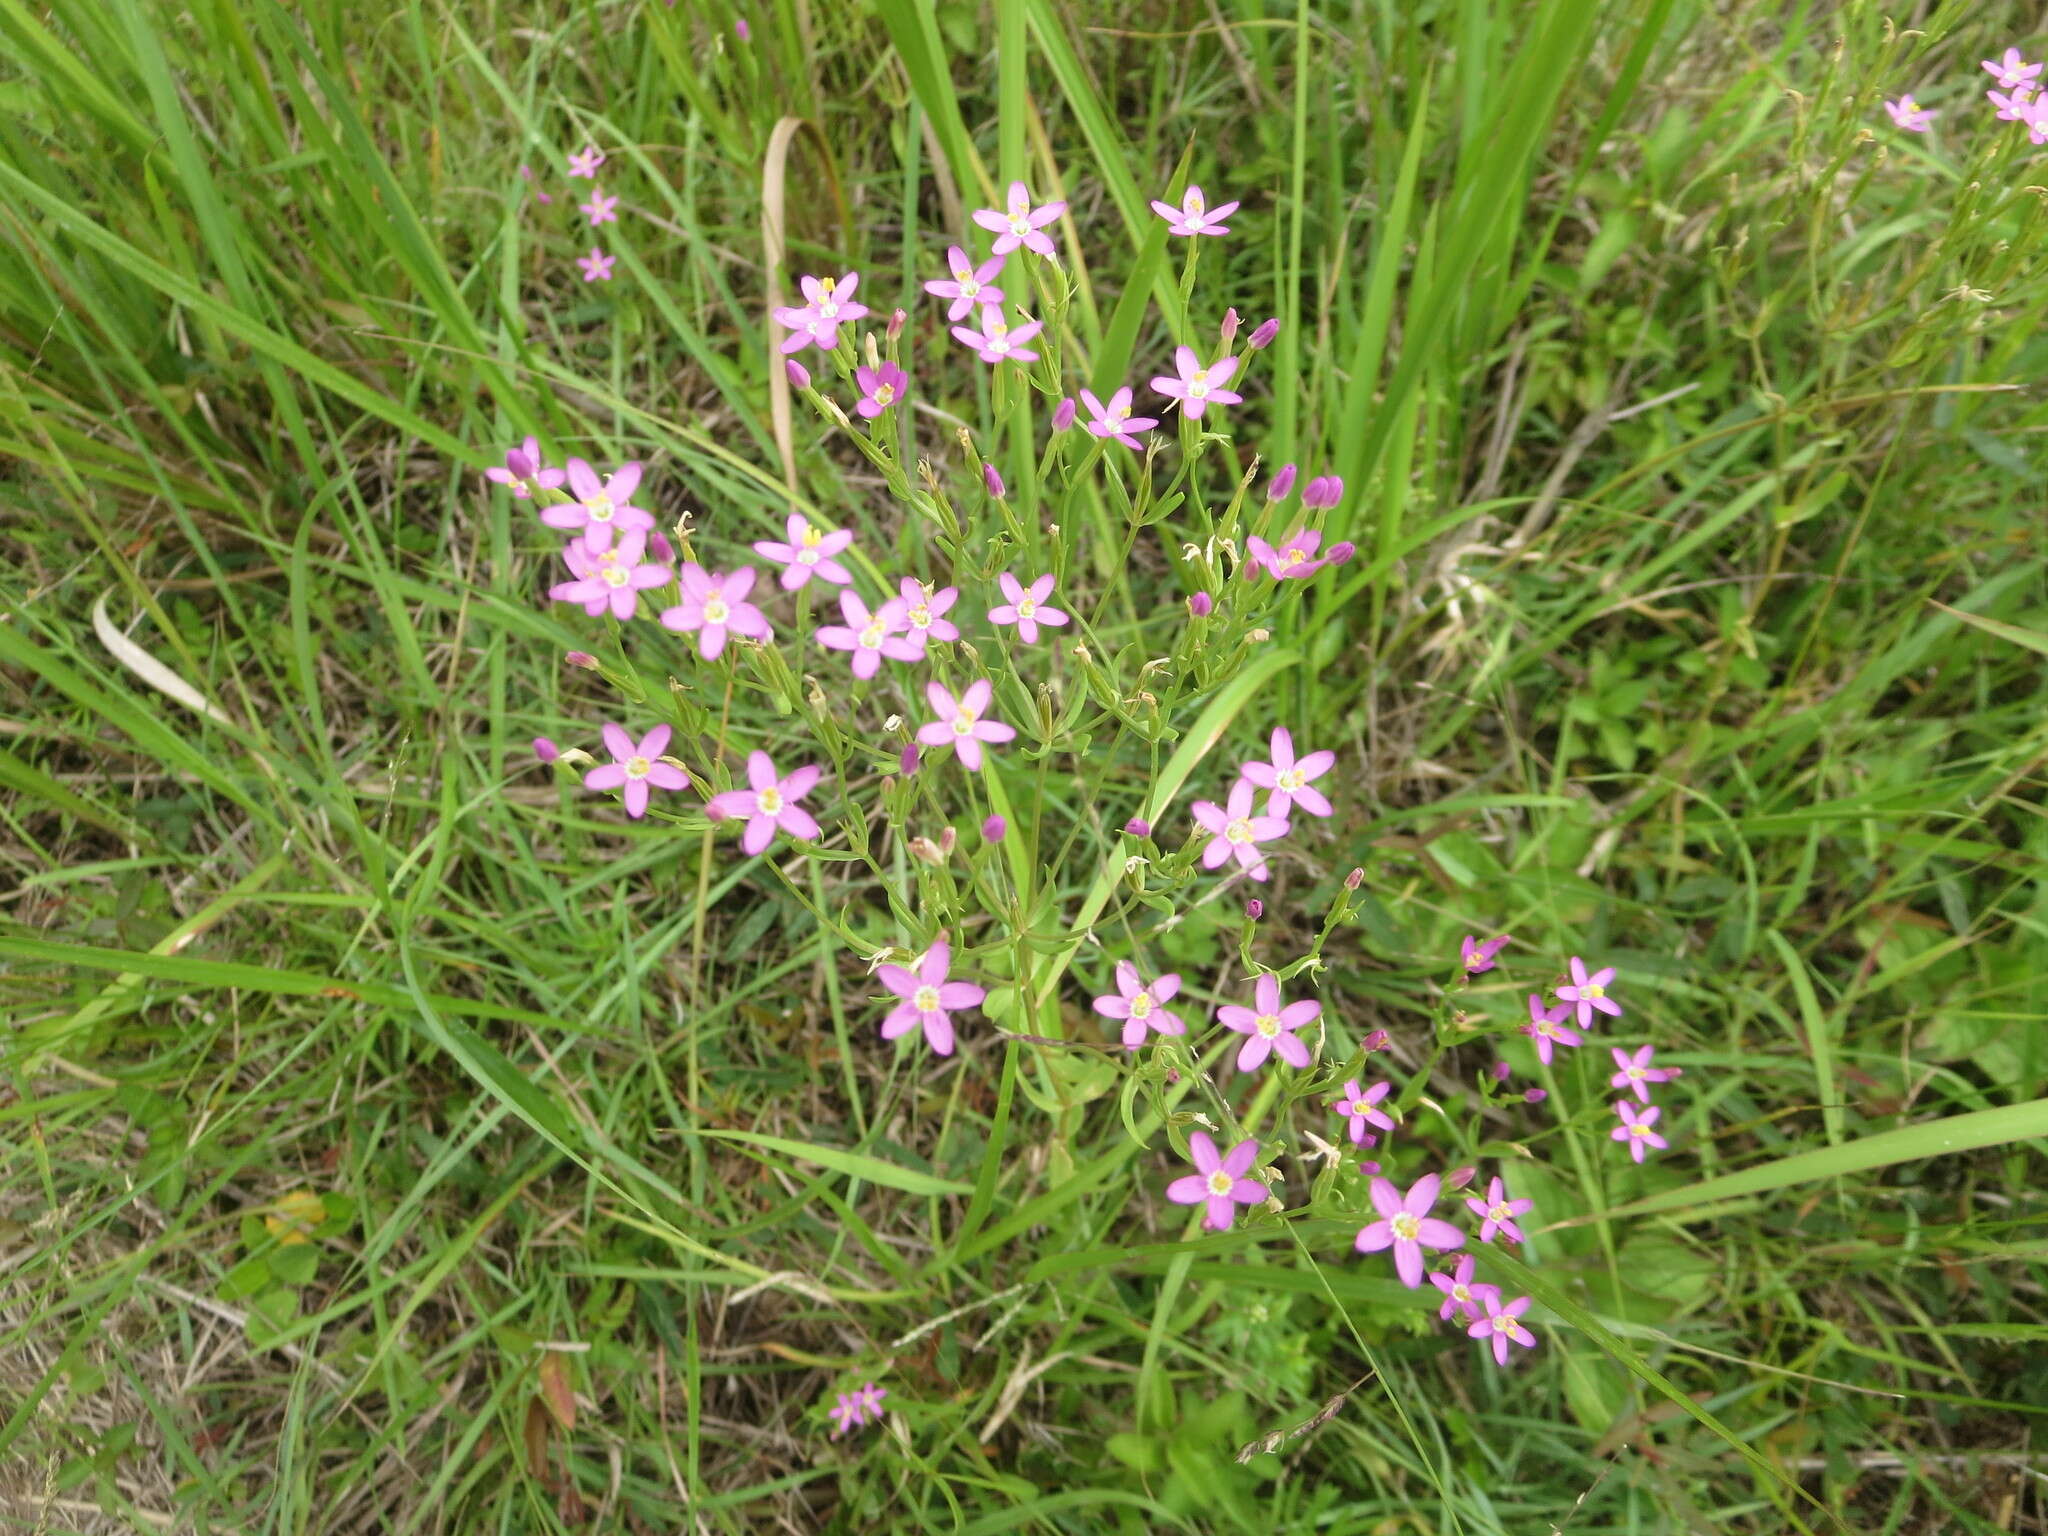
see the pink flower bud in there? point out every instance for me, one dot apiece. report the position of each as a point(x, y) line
point(1230, 325)
point(741, 29)
point(1378, 1040)
point(908, 761)
point(1137, 826)
point(1458, 1178)
point(1262, 338)
point(1283, 482)
point(994, 829)
point(1354, 880)
point(1368, 1168)
point(581, 659)
point(1339, 553)
point(545, 750)
point(1323, 491)
point(519, 462)
point(1535, 1096)
point(1063, 415)
point(1500, 1071)
point(1201, 605)
point(950, 839)
point(993, 481)
point(1255, 909)
point(895, 326)
point(658, 546)
point(799, 375)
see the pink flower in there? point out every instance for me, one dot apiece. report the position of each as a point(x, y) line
point(1063, 414)
point(601, 506)
point(1193, 217)
point(1479, 957)
point(1020, 224)
point(768, 803)
point(1025, 607)
point(960, 725)
point(1635, 1073)
point(808, 553)
point(847, 1414)
point(1637, 1128)
point(1282, 483)
point(923, 611)
point(2012, 70)
point(869, 636)
point(1589, 993)
point(1323, 491)
point(523, 467)
point(1360, 1107)
point(714, 606)
point(545, 749)
point(969, 284)
point(1295, 560)
point(1503, 1325)
point(1262, 335)
point(928, 998)
point(1462, 1299)
point(1238, 831)
point(600, 209)
point(996, 341)
point(1497, 1212)
point(597, 266)
point(1198, 387)
point(585, 162)
point(1406, 1226)
point(1547, 1028)
point(1269, 1025)
point(1115, 420)
point(817, 323)
point(2035, 116)
point(2013, 107)
point(610, 578)
point(880, 388)
point(1288, 778)
point(1914, 119)
point(1218, 1182)
point(797, 373)
point(636, 766)
point(1141, 1007)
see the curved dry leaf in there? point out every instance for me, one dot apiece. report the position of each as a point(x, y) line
point(148, 668)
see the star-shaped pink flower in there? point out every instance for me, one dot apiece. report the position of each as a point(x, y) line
point(929, 998)
point(1288, 777)
point(1239, 832)
point(998, 341)
point(1114, 420)
point(610, 578)
point(1547, 1028)
point(1199, 386)
point(585, 162)
point(1503, 1325)
point(808, 553)
point(602, 507)
point(880, 388)
point(1912, 118)
point(1462, 1299)
point(2012, 69)
point(1026, 607)
point(1218, 1182)
point(1193, 216)
point(1637, 1128)
point(1269, 1025)
point(523, 469)
point(1360, 1108)
point(829, 305)
point(600, 209)
point(1478, 957)
point(597, 266)
point(869, 636)
point(1141, 1007)
point(1018, 223)
point(1496, 1212)
point(1588, 994)
point(637, 768)
point(1634, 1074)
point(768, 803)
point(1406, 1226)
point(714, 606)
point(960, 725)
point(924, 611)
point(969, 284)
point(1294, 560)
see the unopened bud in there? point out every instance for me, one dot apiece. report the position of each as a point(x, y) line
point(1458, 1178)
point(993, 481)
point(907, 761)
point(1255, 909)
point(581, 659)
point(1535, 1096)
point(1063, 415)
point(741, 30)
point(1138, 826)
point(994, 830)
point(1282, 483)
point(1368, 1168)
point(1259, 636)
point(1230, 325)
point(874, 353)
point(1354, 880)
point(1342, 552)
point(949, 840)
point(799, 375)
point(832, 410)
point(1201, 605)
point(658, 546)
point(545, 750)
point(1500, 1071)
point(1378, 1040)
point(1262, 337)
point(895, 326)
point(519, 462)
point(927, 851)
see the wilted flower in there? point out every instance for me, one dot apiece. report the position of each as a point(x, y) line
point(1026, 607)
point(1637, 1128)
point(969, 285)
point(597, 266)
point(1218, 1182)
point(1406, 1226)
point(637, 768)
point(809, 552)
point(1198, 387)
point(1238, 830)
point(1288, 778)
point(880, 388)
point(1019, 223)
point(960, 725)
point(1269, 1025)
point(1635, 1074)
point(1589, 993)
point(1193, 216)
point(1141, 1007)
point(714, 605)
point(769, 803)
point(929, 998)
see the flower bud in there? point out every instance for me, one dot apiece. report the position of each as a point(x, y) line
point(1500, 1071)
point(1201, 605)
point(1282, 483)
point(871, 349)
point(993, 481)
point(895, 325)
point(994, 830)
point(1063, 414)
point(799, 375)
point(1368, 1169)
point(1378, 1040)
point(1255, 909)
point(926, 851)
point(1535, 1096)
point(1137, 826)
point(519, 462)
point(1354, 880)
point(949, 840)
point(1458, 1178)
point(1340, 553)
point(581, 659)
point(1262, 338)
point(1230, 325)
point(741, 30)
point(545, 750)
point(909, 758)
point(658, 546)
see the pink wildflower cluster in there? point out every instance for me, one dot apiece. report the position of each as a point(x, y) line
point(857, 1409)
point(2015, 92)
point(601, 208)
point(1297, 556)
point(1239, 829)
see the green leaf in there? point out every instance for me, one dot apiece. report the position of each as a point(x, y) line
point(855, 1165)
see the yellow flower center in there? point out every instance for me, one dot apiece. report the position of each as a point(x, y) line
point(716, 610)
point(885, 394)
point(1294, 554)
point(920, 617)
point(963, 724)
point(1406, 1227)
point(1592, 991)
point(769, 801)
point(1239, 831)
point(1291, 780)
point(615, 575)
point(1638, 1130)
point(637, 767)
point(1635, 1074)
point(1267, 1024)
point(925, 999)
point(1461, 1293)
point(968, 286)
point(1141, 1006)
point(1193, 204)
point(810, 538)
point(599, 507)
point(1500, 1212)
point(1198, 386)
point(1221, 1183)
point(871, 638)
point(1513, 1329)
point(1026, 608)
point(1020, 224)
point(829, 284)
